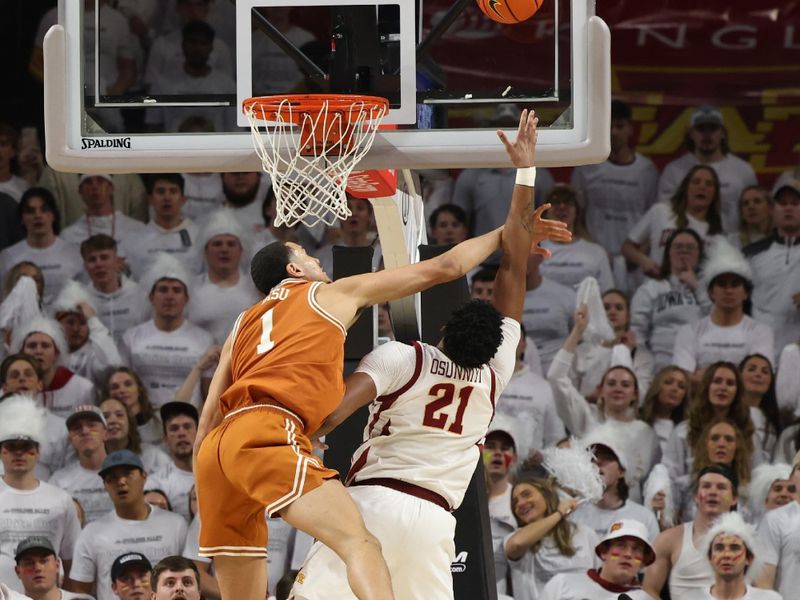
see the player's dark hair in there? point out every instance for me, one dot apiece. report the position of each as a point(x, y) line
point(268, 267)
point(726, 472)
point(99, 241)
point(620, 110)
point(453, 209)
point(199, 29)
point(12, 358)
point(666, 264)
point(176, 178)
point(680, 200)
point(485, 274)
point(472, 335)
point(173, 563)
point(49, 201)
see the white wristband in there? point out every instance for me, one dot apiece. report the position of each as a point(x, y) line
point(526, 176)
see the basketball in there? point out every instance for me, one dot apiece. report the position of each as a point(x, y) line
point(509, 12)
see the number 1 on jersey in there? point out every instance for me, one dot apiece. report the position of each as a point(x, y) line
point(444, 394)
point(266, 343)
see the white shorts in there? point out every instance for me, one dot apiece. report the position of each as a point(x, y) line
point(417, 541)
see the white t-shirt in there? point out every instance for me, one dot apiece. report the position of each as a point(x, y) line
point(117, 225)
point(426, 401)
point(92, 360)
point(216, 308)
point(64, 397)
point(579, 586)
point(203, 193)
point(163, 359)
point(166, 56)
point(141, 251)
point(751, 593)
point(533, 570)
point(734, 175)
point(701, 343)
point(274, 72)
point(86, 487)
point(572, 263)
point(615, 197)
point(176, 484)
point(503, 523)
point(779, 534)
point(60, 262)
point(528, 400)
point(657, 225)
point(154, 458)
point(100, 543)
point(547, 316)
point(14, 187)
point(601, 519)
point(120, 310)
point(45, 511)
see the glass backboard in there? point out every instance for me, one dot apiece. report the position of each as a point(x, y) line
point(169, 99)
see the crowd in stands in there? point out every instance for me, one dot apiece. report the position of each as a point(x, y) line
point(119, 290)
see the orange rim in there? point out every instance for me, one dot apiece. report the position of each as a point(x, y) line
point(271, 106)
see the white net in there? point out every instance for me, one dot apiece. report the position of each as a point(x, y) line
point(309, 154)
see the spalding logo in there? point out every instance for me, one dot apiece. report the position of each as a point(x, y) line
point(91, 143)
point(459, 565)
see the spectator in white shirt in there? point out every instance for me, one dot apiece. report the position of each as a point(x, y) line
point(666, 403)
point(97, 193)
point(38, 568)
point(758, 379)
point(223, 291)
point(755, 216)
point(164, 349)
point(175, 577)
point(58, 260)
point(123, 435)
point(572, 262)
point(707, 144)
point(735, 557)
point(727, 333)
point(660, 306)
point(29, 506)
point(62, 389)
point(132, 526)
point(118, 300)
point(125, 385)
point(91, 348)
point(695, 205)
point(448, 225)
point(770, 488)
point(87, 433)
point(10, 183)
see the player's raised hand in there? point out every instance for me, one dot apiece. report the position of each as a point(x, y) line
point(522, 150)
point(547, 229)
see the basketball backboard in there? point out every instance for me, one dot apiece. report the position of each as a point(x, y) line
point(452, 76)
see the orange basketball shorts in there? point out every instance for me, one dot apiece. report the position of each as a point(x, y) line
point(256, 460)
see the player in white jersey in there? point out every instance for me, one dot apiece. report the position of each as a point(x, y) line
point(430, 409)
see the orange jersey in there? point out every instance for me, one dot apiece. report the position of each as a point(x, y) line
point(287, 350)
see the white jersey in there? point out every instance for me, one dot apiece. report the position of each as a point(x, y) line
point(615, 197)
point(779, 534)
point(161, 534)
point(750, 593)
point(86, 487)
point(163, 359)
point(657, 225)
point(701, 343)
point(572, 263)
point(45, 511)
point(427, 402)
point(580, 586)
point(734, 175)
point(59, 262)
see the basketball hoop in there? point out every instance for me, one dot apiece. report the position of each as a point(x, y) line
point(309, 171)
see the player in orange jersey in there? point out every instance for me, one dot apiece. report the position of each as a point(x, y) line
point(279, 377)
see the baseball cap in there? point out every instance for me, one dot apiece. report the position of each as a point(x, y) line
point(35, 542)
point(628, 528)
point(789, 184)
point(126, 561)
point(105, 176)
point(121, 458)
point(504, 427)
point(171, 409)
point(86, 411)
point(706, 115)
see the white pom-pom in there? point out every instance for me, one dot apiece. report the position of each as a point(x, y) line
point(658, 481)
point(574, 469)
point(599, 329)
point(21, 305)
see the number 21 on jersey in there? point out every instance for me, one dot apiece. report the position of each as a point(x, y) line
point(444, 394)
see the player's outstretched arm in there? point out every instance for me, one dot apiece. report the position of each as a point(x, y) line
point(211, 416)
point(524, 227)
point(345, 297)
point(360, 390)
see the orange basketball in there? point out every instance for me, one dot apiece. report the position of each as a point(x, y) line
point(509, 12)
